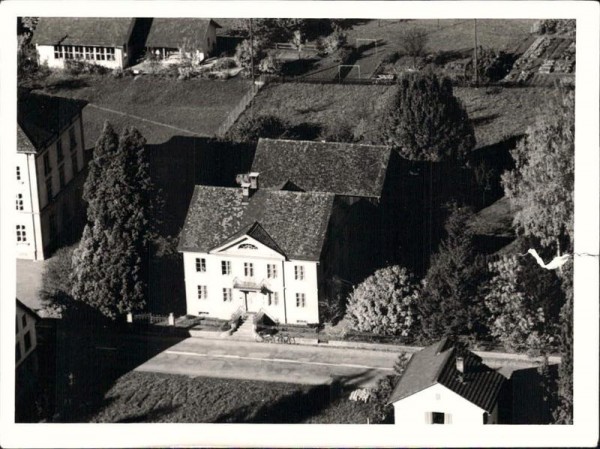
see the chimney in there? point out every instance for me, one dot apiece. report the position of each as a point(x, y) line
point(253, 180)
point(460, 364)
point(249, 184)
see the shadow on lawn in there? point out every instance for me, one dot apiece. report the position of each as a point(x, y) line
point(296, 407)
point(79, 364)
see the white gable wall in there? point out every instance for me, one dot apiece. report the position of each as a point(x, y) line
point(417, 409)
point(284, 284)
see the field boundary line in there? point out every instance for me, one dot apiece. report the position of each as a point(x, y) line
point(137, 117)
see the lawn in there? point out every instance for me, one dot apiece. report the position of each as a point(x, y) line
point(497, 113)
point(191, 107)
point(151, 397)
point(447, 35)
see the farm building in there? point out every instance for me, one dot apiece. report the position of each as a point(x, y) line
point(111, 42)
point(274, 244)
point(442, 385)
point(49, 172)
point(190, 37)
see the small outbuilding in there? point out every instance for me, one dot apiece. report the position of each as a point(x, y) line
point(442, 385)
point(178, 37)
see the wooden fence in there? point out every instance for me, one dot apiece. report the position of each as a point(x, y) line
point(237, 111)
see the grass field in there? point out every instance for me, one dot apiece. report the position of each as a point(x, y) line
point(496, 113)
point(192, 107)
point(150, 397)
point(447, 35)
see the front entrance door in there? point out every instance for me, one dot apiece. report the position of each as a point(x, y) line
point(253, 301)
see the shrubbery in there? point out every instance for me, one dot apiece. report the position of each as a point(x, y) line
point(384, 303)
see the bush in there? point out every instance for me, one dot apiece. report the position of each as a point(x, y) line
point(224, 64)
point(250, 129)
point(391, 58)
point(384, 303)
point(79, 67)
point(269, 65)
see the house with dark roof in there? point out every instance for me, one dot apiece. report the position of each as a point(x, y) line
point(113, 42)
point(258, 250)
point(49, 175)
point(296, 222)
point(195, 38)
point(26, 362)
point(350, 171)
point(444, 385)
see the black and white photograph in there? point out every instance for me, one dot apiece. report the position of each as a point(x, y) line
point(282, 213)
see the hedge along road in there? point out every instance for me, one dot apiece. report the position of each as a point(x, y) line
point(272, 362)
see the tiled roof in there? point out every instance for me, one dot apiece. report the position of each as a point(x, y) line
point(173, 33)
point(110, 32)
point(434, 364)
point(340, 168)
point(294, 222)
point(41, 118)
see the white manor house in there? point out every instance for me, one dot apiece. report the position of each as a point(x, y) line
point(273, 244)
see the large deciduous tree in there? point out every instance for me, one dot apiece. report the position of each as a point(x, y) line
point(542, 183)
point(110, 265)
point(384, 303)
point(449, 304)
point(523, 301)
point(425, 121)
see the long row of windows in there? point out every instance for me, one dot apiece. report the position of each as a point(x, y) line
point(273, 298)
point(272, 272)
point(81, 52)
point(61, 170)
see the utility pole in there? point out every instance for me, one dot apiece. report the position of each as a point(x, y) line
point(475, 57)
point(252, 55)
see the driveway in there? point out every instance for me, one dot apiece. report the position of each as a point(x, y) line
point(29, 282)
point(271, 362)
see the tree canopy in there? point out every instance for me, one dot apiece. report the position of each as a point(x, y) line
point(110, 265)
point(523, 302)
point(449, 304)
point(384, 303)
point(425, 121)
point(542, 183)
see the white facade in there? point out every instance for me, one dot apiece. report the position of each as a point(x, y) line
point(246, 274)
point(26, 340)
point(56, 55)
point(428, 405)
point(45, 202)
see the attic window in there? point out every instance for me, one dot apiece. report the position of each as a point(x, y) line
point(247, 246)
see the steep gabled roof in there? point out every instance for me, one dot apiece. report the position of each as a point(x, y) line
point(174, 33)
point(41, 118)
point(340, 168)
point(102, 31)
point(434, 364)
point(292, 223)
point(27, 310)
point(258, 233)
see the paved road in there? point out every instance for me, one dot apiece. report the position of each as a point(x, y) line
point(271, 362)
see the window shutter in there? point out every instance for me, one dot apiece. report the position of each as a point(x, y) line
point(448, 419)
point(428, 418)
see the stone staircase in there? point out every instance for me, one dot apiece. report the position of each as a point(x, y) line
point(246, 329)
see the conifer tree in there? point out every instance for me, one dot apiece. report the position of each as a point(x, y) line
point(425, 121)
point(110, 265)
point(448, 304)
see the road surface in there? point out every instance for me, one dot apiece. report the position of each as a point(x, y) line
point(270, 362)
